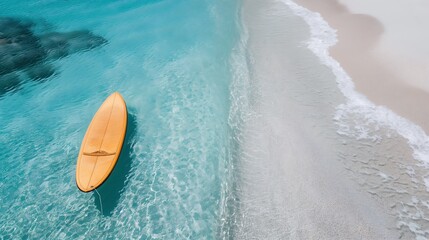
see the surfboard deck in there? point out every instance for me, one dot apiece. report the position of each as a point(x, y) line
point(102, 143)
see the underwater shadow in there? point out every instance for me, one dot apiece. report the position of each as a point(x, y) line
point(111, 190)
point(27, 54)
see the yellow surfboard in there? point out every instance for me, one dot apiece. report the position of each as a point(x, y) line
point(102, 144)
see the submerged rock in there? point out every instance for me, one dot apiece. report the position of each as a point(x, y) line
point(23, 51)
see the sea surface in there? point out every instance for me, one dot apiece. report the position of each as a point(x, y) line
point(171, 61)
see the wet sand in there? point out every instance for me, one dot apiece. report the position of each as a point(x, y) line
point(384, 50)
point(292, 184)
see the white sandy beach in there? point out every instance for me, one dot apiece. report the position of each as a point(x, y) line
point(293, 185)
point(383, 47)
point(300, 178)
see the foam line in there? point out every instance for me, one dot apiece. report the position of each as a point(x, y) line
point(374, 117)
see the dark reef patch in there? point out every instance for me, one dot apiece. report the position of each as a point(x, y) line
point(25, 55)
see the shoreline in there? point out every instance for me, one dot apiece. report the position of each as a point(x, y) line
point(360, 53)
point(292, 182)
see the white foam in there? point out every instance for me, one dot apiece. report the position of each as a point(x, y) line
point(358, 117)
point(239, 112)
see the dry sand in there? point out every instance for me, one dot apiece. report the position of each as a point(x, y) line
point(383, 46)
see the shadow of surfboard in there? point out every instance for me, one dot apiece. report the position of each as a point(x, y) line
point(111, 190)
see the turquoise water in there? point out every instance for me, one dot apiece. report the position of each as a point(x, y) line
point(171, 60)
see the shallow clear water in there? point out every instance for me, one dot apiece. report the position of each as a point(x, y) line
point(171, 62)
